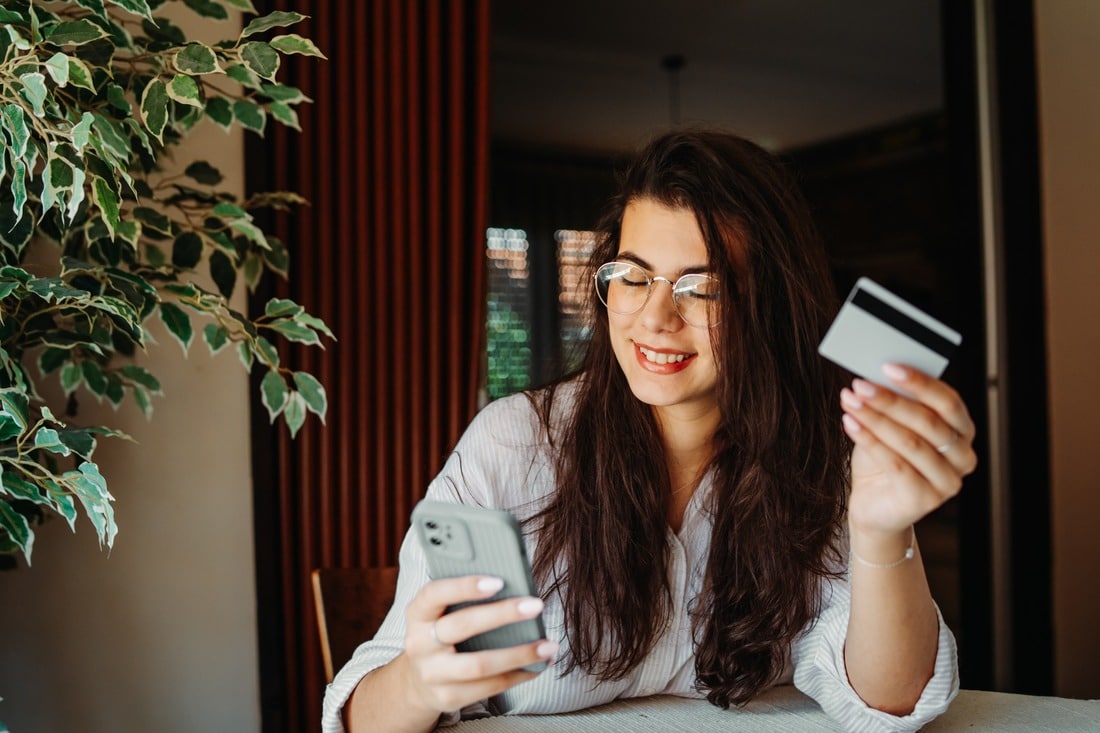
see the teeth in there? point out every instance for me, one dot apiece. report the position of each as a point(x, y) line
point(661, 357)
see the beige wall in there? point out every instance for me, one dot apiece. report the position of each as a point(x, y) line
point(1068, 45)
point(160, 634)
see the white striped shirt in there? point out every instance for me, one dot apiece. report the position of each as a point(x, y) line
point(503, 461)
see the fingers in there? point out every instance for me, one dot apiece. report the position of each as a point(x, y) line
point(449, 680)
point(930, 428)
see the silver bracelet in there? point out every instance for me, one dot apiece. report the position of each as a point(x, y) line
point(909, 552)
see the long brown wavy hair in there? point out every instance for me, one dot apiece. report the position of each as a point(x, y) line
point(780, 466)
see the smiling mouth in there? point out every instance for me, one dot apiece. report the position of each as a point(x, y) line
point(662, 357)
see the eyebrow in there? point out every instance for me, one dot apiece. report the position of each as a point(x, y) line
point(690, 270)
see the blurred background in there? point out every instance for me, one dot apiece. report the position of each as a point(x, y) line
point(456, 157)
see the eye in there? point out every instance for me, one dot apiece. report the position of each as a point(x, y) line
point(630, 275)
point(698, 287)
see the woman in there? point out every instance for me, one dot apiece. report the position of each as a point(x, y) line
point(688, 496)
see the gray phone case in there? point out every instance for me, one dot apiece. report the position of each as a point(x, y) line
point(460, 540)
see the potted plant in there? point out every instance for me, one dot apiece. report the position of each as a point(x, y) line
point(94, 95)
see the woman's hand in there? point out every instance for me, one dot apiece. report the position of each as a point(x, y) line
point(444, 679)
point(911, 452)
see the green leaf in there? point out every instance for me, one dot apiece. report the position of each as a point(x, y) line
point(203, 172)
point(245, 355)
point(245, 5)
point(116, 95)
point(75, 33)
point(250, 115)
point(284, 114)
point(91, 489)
point(71, 377)
point(19, 488)
point(107, 200)
point(223, 273)
point(58, 68)
point(227, 210)
point(78, 441)
point(243, 75)
point(137, 7)
point(187, 250)
point(18, 188)
point(313, 392)
point(96, 6)
point(141, 376)
point(15, 123)
point(261, 59)
point(253, 269)
point(154, 108)
point(207, 9)
point(178, 323)
point(220, 111)
point(185, 90)
point(47, 439)
point(268, 351)
point(293, 43)
point(142, 400)
point(295, 331)
point(34, 91)
point(215, 336)
point(282, 308)
point(16, 527)
point(273, 393)
point(251, 231)
point(281, 93)
point(197, 58)
point(295, 413)
point(81, 76)
point(82, 131)
point(94, 377)
point(278, 19)
point(315, 323)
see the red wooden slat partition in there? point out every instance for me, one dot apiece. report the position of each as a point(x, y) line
point(393, 157)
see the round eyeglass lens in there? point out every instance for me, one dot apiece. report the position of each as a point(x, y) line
point(696, 298)
point(622, 287)
point(625, 287)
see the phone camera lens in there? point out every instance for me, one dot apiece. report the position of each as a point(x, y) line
point(436, 541)
point(430, 524)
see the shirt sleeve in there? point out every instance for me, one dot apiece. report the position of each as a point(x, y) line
point(482, 466)
point(819, 671)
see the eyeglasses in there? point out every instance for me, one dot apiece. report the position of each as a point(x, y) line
point(625, 289)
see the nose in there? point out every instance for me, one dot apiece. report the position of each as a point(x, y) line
point(659, 312)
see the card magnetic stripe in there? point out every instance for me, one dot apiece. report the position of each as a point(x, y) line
point(910, 327)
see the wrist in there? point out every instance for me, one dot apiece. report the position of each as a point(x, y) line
point(878, 549)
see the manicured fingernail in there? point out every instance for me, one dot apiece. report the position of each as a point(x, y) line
point(895, 372)
point(864, 389)
point(850, 424)
point(546, 649)
point(530, 606)
point(850, 400)
point(490, 585)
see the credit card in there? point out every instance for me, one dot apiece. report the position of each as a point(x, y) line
point(875, 326)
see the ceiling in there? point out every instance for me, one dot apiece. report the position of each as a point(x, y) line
point(587, 75)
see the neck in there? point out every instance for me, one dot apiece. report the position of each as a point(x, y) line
point(689, 447)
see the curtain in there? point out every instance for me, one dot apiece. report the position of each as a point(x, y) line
point(393, 158)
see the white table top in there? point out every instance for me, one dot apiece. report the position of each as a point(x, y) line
point(786, 710)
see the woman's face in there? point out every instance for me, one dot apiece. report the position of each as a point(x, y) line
point(667, 363)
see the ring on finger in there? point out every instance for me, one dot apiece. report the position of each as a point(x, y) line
point(435, 635)
point(950, 443)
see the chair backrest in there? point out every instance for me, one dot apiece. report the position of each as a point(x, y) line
point(351, 604)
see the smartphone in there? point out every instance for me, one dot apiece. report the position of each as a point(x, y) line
point(461, 540)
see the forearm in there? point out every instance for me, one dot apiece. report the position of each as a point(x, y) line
point(382, 702)
point(893, 629)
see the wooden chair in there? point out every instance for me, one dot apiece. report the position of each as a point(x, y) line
point(351, 604)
